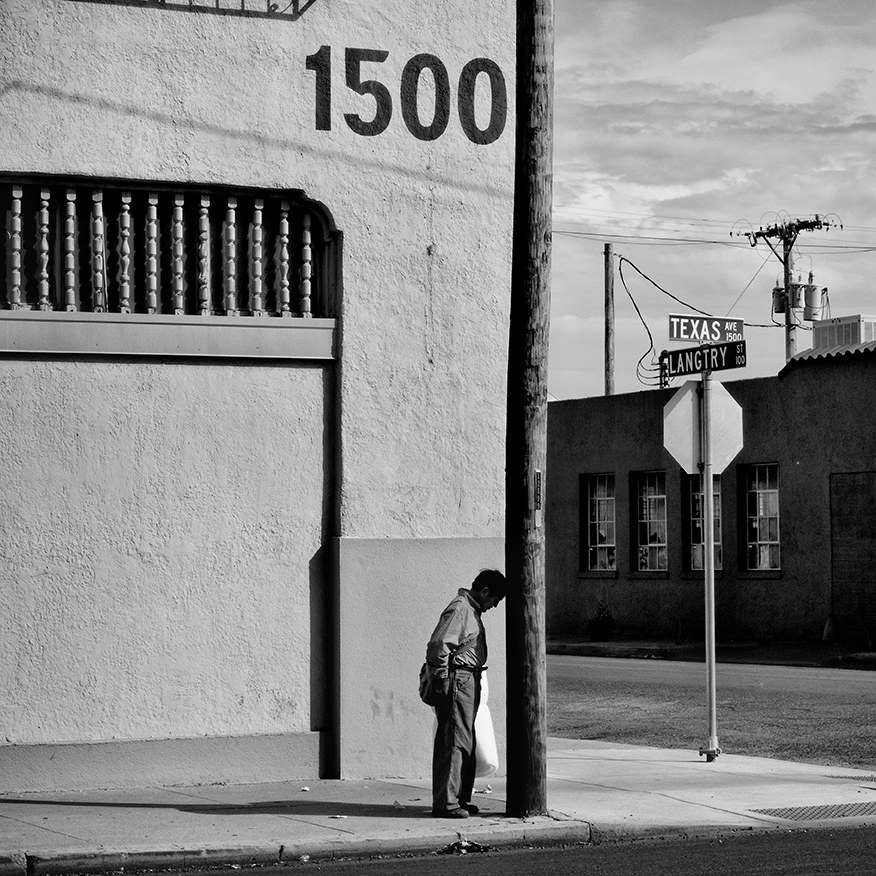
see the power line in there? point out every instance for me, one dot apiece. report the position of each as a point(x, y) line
point(656, 218)
point(642, 374)
point(747, 286)
point(851, 248)
point(685, 303)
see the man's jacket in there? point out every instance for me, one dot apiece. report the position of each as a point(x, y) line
point(459, 638)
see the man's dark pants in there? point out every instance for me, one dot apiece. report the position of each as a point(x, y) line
point(453, 758)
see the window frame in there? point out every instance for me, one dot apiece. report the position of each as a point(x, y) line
point(51, 211)
point(659, 548)
point(753, 498)
point(694, 522)
point(590, 520)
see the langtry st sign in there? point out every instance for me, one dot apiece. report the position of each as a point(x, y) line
point(705, 329)
point(708, 357)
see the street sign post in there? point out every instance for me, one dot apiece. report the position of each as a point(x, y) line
point(689, 435)
point(711, 751)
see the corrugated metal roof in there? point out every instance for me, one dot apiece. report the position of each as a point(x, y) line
point(842, 350)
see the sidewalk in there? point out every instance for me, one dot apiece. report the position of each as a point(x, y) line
point(596, 792)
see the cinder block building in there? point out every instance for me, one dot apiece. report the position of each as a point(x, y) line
point(252, 365)
point(795, 510)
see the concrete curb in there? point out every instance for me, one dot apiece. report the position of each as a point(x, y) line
point(115, 860)
point(12, 864)
point(543, 830)
point(552, 830)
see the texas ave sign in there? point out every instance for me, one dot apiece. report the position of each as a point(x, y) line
point(705, 329)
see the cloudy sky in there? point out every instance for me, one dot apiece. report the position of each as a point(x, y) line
point(679, 125)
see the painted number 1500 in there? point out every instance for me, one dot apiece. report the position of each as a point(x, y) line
point(409, 95)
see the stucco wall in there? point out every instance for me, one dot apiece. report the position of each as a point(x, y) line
point(159, 522)
point(156, 93)
point(146, 560)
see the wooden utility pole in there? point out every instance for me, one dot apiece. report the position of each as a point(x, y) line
point(788, 266)
point(526, 442)
point(788, 233)
point(609, 320)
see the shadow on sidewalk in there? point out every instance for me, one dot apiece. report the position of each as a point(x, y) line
point(275, 807)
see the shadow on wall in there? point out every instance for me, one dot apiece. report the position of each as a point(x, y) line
point(283, 10)
point(325, 689)
point(324, 659)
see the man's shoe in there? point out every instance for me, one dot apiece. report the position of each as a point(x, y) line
point(470, 808)
point(459, 812)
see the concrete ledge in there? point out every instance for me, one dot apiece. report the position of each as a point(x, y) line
point(130, 334)
point(170, 762)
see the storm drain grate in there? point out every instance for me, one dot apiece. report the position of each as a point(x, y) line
point(814, 813)
point(859, 779)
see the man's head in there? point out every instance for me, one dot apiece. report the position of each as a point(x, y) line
point(489, 588)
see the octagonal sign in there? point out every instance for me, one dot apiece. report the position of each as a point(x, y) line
point(681, 427)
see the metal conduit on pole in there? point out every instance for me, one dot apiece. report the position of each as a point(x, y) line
point(526, 442)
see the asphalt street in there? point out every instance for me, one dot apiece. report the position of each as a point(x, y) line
point(851, 852)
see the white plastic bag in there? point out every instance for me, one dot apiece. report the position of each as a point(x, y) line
point(485, 739)
point(485, 746)
point(486, 753)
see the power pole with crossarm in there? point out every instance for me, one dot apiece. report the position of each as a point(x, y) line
point(787, 233)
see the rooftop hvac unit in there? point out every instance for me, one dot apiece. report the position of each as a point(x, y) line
point(843, 331)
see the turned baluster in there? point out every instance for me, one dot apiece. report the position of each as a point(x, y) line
point(125, 254)
point(255, 269)
point(14, 295)
point(204, 256)
point(306, 267)
point(70, 251)
point(43, 251)
point(152, 254)
point(283, 261)
point(177, 252)
point(98, 262)
point(230, 267)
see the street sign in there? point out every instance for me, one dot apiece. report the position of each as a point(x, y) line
point(708, 329)
point(682, 429)
point(709, 357)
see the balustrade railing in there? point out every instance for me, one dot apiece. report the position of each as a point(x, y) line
point(130, 248)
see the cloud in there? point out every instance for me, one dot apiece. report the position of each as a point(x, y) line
point(684, 121)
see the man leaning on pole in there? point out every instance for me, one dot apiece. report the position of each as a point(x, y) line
point(456, 656)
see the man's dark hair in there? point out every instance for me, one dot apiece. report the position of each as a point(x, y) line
point(493, 580)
